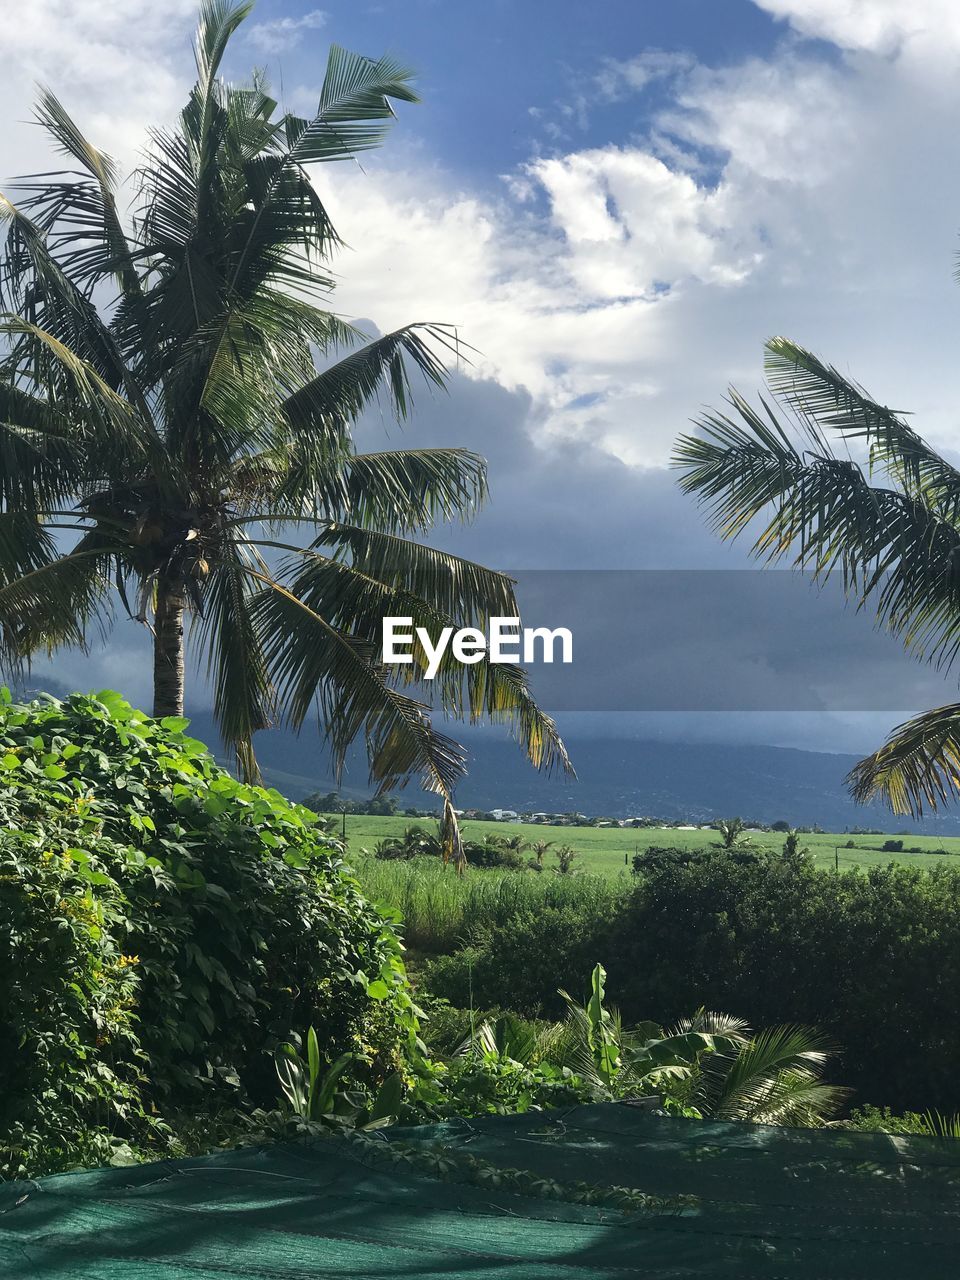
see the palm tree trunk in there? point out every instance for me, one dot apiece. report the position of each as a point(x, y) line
point(168, 649)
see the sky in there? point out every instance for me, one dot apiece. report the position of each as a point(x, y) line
point(616, 204)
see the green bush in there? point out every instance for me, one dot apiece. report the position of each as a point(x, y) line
point(872, 958)
point(522, 962)
point(69, 1056)
point(157, 899)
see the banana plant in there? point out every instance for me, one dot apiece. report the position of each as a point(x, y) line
point(620, 1062)
point(315, 1095)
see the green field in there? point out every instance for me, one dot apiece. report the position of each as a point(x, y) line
point(608, 851)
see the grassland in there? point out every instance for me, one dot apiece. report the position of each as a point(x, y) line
point(608, 850)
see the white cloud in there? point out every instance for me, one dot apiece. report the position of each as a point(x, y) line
point(879, 26)
point(116, 68)
point(625, 286)
point(284, 33)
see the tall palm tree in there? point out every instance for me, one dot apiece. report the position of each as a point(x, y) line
point(890, 526)
point(175, 431)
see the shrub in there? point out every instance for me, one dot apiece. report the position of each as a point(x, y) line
point(235, 914)
point(493, 852)
point(521, 963)
point(892, 846)
point(70, 1060)
point(872, 958)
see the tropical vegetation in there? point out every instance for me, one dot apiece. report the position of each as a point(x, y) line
point(177, 400)
point(162, 927)
point(185, 958)
point(887, 521)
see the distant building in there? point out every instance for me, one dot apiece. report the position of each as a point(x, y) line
point(505, 815)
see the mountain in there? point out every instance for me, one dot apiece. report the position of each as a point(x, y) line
point(618, 778)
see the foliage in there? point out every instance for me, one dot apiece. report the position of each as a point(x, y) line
point(70, 1060)
point(707, 1065)
point(317, 1095)
point(175, 407)
point(733, 834)
point(882, 1120)
point(889, 527)
point(565, 857)
point(490, 851)
point(773, 1076)
point(775, 939)
point(617, 1062)
point(521, 960)
point(441, 911)
point(148, 896)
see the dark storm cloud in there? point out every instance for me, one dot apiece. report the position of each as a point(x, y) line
point(665, 617)
point(668, 641)
point(560, 504)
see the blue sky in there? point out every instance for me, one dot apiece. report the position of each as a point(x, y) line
point(616, 204)
point(498, 77)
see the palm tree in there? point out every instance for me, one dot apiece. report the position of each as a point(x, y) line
point(565, 857)
point(733, 834)
point(890, 528)
point(515, 843)
point(540, 848)
point(771, 1077)
point(175, 427)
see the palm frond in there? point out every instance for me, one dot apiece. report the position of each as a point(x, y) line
point(354, 110)
point(51, 605)
point(484, 691)
point(313, 663)
point(462, 590)
point(342, 391)
point(772, 1079)
point(410, 489)
point(36, 288)
point(894, 551)
point(244, 700)
point(826, 400)
point(111, 430)
point(81, 209)
point(43, 460)
point(917, 768)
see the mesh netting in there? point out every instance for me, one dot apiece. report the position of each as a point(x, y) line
point(725, 1200)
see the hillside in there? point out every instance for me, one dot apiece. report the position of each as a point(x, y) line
point(622, 778)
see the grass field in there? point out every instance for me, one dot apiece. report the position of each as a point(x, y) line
point(607, 851)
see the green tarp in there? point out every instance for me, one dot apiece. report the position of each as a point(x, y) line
point(737, 1201)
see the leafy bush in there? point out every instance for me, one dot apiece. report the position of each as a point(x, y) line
point(69, 1056)
point(872, 958)
point(156, 897)
point(522, 962)
point(709, 1064)
point(932, 1124)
